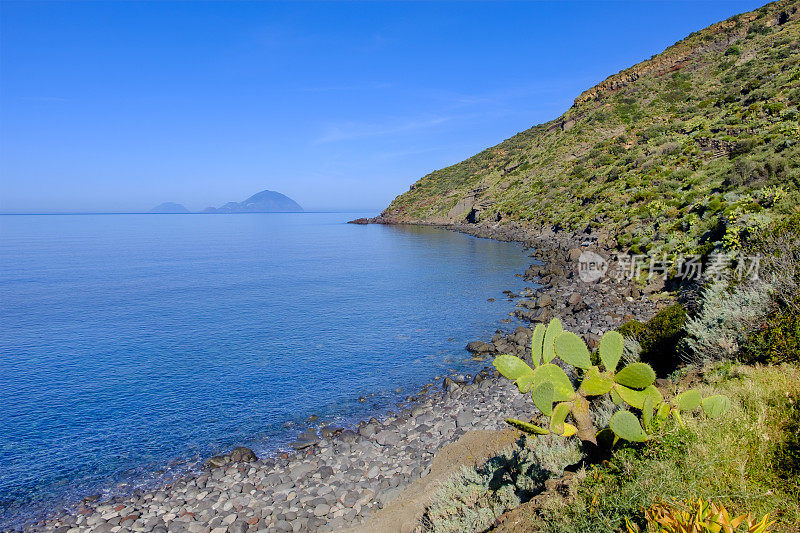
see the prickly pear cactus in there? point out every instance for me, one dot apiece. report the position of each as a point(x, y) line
point(632, 386)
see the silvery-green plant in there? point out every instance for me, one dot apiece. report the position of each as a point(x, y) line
point(727, 318)
point(632, 385)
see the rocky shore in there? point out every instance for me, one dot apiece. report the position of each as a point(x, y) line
point(341, 477)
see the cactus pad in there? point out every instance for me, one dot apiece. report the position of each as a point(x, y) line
point(560, 413)
point(562, 386)
point(636, 376)
point(526, 427)
point(572, 350)
point(596, 384)
point(635, 398)
point(688, 400)
point(511, 366)
point(554, 329)
point(615, 397)
point(626, 426)
point(716, 406)
point(569, 430)
point(536, 344)
point(647, 412)
point(611, 348)
point(543, 397)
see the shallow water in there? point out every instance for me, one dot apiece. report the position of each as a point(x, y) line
point(133, 342)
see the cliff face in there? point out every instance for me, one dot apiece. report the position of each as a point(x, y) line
point(662, 152)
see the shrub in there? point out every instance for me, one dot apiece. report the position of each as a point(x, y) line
point(779, 249)
point(473, 498)
point(726, 320)
point(733, 51)
point(659, 337)
point(777, 341)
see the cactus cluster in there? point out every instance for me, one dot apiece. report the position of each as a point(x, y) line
point(554, 395)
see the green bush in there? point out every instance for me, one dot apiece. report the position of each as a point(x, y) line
point(659, 337)
point(778, 341)
point(779, 249)
point(733, 51)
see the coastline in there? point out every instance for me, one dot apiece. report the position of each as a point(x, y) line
point(342, 477)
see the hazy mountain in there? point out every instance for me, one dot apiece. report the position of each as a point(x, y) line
point(169, 207)
point(262, 202)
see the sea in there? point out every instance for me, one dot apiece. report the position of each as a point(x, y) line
point(134, 346)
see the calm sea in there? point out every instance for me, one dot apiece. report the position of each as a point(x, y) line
point(131, 345)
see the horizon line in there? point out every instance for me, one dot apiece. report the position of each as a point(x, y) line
point(6, 213)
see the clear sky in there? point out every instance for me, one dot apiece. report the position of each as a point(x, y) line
point(119, 106)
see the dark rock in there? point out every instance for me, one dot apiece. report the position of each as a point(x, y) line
point(348, 435)
point(325, 472)
point(592, 340)
point(480, 347)
point(544, 316)
point(574, 254)
point(654, 285)
point(306, 439)
point(449, 384)
point(243, 455)
point(330, 431)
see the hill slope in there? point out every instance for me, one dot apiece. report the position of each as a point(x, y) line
point(697, 145)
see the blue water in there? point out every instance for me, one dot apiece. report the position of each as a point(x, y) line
point(131, 344)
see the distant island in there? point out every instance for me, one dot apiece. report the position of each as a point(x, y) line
point(262, 202)
point(169, 207)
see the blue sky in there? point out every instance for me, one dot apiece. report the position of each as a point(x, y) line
point(119, 106)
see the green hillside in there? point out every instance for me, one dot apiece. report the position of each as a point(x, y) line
point(697, 145)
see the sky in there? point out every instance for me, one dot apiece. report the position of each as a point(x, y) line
point(119, 106)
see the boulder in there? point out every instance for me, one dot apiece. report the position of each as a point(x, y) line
point(480, 347)
point(237, 455)
point(306, 439)
point(574, 254)
point(545, 316)
point(243, 455)
point(449, 385)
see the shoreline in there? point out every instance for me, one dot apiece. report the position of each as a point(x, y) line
point(341, 477)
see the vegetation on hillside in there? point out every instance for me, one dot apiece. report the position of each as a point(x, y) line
point(695, 148)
